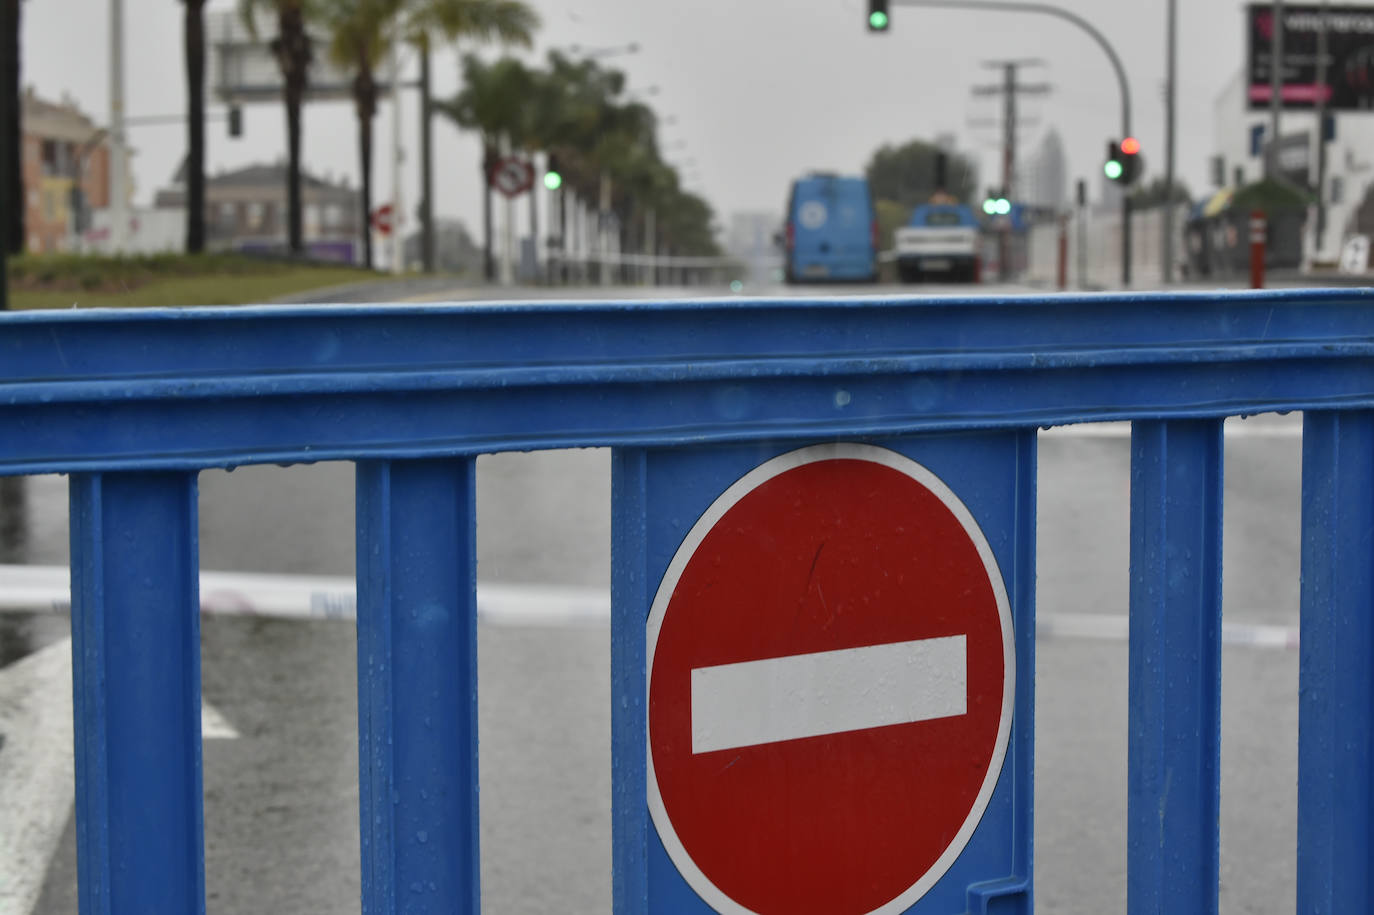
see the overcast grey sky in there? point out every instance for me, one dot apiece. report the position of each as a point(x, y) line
point(760, 90)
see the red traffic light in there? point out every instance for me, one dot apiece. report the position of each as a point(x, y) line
point(1130, 146)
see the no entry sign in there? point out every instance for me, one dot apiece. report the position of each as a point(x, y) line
point(831, 671)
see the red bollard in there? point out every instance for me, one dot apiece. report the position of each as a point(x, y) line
point(1258, 231)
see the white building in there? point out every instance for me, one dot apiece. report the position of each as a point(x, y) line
point(1042, 177)
point(1239, 138)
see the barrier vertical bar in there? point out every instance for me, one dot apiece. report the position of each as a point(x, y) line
point(1173, 760)
point(630, 599)
point(417, 686)
point(1336, 666)
point(136, 690)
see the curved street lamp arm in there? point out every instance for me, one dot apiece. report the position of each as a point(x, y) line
point(1048, 10)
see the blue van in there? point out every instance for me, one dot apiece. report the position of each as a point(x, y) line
point(832, 230)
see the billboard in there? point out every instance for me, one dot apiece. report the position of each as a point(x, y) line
point(1349, 79)
point(243, 69)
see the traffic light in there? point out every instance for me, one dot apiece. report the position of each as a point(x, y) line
point(1130, 160)
point(235, 121)
point(878, 19)
point(1114, 167)
point(553, 177)
point(997, 204)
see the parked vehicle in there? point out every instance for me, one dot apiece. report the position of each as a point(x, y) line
point(940, 240)
point(832, 230)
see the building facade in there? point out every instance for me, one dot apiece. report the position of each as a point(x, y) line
point(1239, 146)
point(66, 160)
point(245, 210)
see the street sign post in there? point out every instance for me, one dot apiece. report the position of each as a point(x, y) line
point(512, 175)
point(829, 684)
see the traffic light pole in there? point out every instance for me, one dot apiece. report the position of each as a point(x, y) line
point(1049, 10)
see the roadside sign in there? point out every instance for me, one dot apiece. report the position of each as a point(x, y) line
point(1355, 254)
point(830, 684)
point(382, 219)
point(512, 175)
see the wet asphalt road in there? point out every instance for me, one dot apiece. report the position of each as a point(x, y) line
point(281, 800)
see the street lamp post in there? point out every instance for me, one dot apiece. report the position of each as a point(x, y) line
point(1049, 10)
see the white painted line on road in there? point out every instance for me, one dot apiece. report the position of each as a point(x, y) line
point(36, 770)
point(28, 589)
point(1113, 627)
point(1233, 427)
point(37, 775)
point(828, 692)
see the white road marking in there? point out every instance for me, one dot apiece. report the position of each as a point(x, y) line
point(1262, 426)
point(36, 770)
point(37, 774)
point(26, 589)
point(828, 692)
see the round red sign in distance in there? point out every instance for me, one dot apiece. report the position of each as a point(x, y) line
point(828, 548)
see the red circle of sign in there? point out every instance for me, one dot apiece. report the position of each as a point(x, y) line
point(827, 548)
point(513, 176)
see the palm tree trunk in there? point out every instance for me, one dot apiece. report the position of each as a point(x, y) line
point(295, 234)
point(426, 163)
point(365, 98)
point(488, 163)
point(11, 134)
point(293, 56)
point(195, 126)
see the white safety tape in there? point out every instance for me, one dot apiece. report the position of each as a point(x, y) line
point(30, 589)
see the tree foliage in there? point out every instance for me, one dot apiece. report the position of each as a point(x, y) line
point(577, 110)
point(1156, 193)
point(906, 174)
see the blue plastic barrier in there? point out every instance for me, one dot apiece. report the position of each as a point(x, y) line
point(133, 404)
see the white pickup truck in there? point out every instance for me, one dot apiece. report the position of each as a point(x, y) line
point(939, 240)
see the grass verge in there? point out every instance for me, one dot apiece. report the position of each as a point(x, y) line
point(165, 280)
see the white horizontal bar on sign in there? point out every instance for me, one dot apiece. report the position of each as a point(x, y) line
point(828, 692)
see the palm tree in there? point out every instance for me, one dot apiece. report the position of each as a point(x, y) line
point(362, 32)
point(507, 21)
point(359, 37)
point(294, 52)
point(195, 125)
point(492, 103)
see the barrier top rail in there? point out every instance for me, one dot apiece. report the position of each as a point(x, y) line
point(97, 389)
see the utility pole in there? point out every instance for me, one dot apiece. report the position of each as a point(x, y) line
point(1009, 89)
point(119, 194)
point(1271, 155)
point(1320, 233)
point(1170, 95)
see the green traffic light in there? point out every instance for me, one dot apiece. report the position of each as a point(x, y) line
point(990, 207)
point(1113, 169)
point(877, 20)
point(553, 181)
point(1003, 206)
